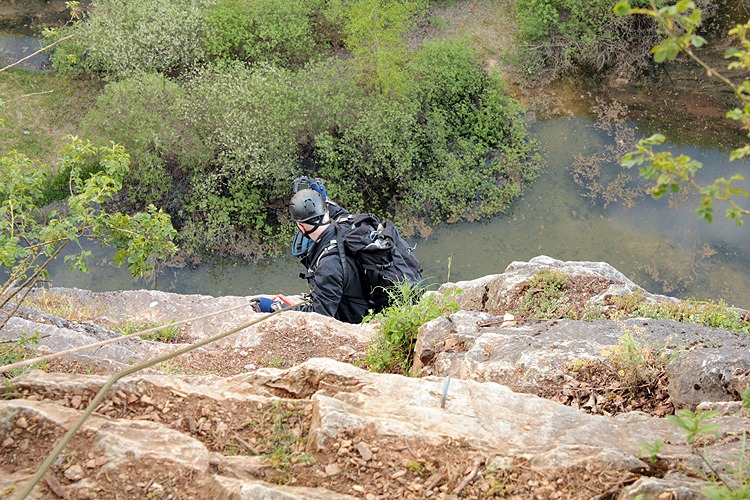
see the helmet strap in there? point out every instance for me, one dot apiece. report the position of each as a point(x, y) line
point(315, 225)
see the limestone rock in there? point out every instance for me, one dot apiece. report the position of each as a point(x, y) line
point(488, 294)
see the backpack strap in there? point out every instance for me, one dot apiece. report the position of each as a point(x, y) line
point(335, 246)
point(338, 243)
point(326, 252)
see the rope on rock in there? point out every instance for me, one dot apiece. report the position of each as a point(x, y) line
point(117, 376)
point(39, 359)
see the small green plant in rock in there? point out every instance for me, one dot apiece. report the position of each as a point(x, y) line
point(276, 362)
point(696, 428)
point(415, 467)
point(398, 325)
point(651, 450)
point(167, 334)
point(693, 423)
point(497, 481)
point(636, 361)
point(544, 296)
point(21, 349)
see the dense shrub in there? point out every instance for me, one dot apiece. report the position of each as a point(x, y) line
point(248, 119)
point(372, 160)
point(374, 32)
point(56, 185)
point(392, 349)
point(143, 114)
point(280, 32)
point(454, 148)
point(560, 36)
point(121, 38)
point(477, 145)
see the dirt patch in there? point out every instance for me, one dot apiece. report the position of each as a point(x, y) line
point(277, 348)
point(81, 471)
point(388, 467)
point(598, 389)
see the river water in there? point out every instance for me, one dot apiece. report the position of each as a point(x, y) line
point(14, 47)
point(665, 250)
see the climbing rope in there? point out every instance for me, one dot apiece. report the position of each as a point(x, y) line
point(108, 385)
point(39, 359)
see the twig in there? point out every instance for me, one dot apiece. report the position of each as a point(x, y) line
point(27, 95)
point(55, 486)
point(244, 443)
point(616, 486)
point(469, 477)
point(408, 447)
point(433, 480)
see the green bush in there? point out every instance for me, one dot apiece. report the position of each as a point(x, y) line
point(374, 32)
point(121, 38)
point(56, 187)
point(249, 119)
point(372, 159)
point(455, 147)
point(561, 36)
point(478, 145)
point(536, 18)
point(279, 32)
point(636, 361)
point(143, 114)
point(392, 350)
point(545, 296)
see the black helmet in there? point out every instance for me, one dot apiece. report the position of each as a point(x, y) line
point(307, 206)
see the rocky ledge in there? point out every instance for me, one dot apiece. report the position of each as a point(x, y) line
point(501, 407)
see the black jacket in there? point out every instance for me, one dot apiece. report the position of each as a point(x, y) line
point(331, 294)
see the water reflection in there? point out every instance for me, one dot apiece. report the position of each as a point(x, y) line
point(665, 250)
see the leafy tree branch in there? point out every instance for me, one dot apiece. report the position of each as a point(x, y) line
point(679, 23)
point(31, 237)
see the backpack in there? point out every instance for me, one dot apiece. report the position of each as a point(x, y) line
point(381, 255)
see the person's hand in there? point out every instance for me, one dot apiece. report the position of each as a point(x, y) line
point(269, 305)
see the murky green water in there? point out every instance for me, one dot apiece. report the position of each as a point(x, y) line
point(665, 250)
point(16, 47)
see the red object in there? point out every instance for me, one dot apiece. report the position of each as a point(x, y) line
point(283, 299)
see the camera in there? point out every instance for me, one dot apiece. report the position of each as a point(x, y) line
point(306, 182)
